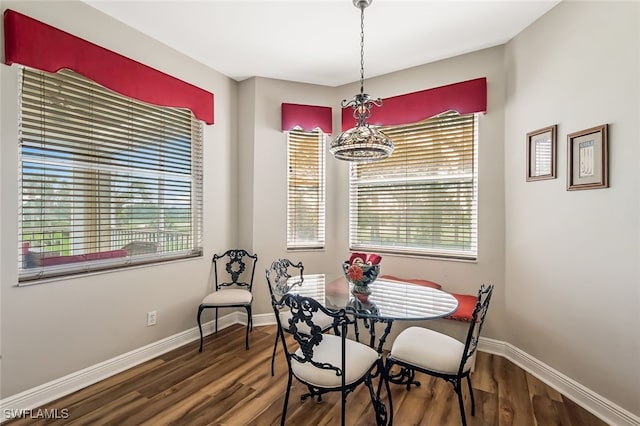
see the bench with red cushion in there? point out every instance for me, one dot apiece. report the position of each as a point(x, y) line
point(466, 304)
point(34, 259)
point(61, 260)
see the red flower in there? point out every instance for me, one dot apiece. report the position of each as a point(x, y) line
point(355, 273)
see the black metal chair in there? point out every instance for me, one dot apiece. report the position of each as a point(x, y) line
point(283, 276)
point(436, 354)
point(327, 362)
point(230, 290)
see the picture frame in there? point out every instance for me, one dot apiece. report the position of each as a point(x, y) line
point(588, 158)
point(541, 154)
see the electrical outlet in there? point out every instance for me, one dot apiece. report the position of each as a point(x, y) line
point(152, 317)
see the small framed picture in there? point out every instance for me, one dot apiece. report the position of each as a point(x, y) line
point(587, 154)
point(541, 154)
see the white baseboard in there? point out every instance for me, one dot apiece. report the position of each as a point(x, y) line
point(47, 392)
point(264, 319)
point(586, 398)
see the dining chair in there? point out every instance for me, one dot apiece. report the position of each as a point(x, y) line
point(326, 362)
point(282, 277)
point(436, 354)
point(233, 281)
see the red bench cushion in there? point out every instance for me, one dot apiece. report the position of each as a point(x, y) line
point(61, 260)
point(466, 304)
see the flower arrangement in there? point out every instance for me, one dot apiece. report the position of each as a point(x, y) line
point(361, 270)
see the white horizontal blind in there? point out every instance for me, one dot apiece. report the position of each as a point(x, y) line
point(106, 181)
point(423, 199)
point(305, 190)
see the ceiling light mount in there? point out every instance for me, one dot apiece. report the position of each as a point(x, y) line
point(362, 143)
point(361, 4)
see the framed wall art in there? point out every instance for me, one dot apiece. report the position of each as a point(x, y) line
point(541, 154)
point(588, 162)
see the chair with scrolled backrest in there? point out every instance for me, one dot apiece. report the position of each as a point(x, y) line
point(233, 281)
point(284, 276)
point(436, 354)
point(326, 362)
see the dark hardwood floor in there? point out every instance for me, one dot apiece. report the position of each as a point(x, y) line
point(226, 385)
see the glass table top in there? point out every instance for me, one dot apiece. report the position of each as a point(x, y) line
point(389, 299)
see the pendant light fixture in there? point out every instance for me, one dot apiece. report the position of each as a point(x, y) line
point(362, 143)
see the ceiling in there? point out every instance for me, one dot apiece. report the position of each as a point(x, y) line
point(318, 41)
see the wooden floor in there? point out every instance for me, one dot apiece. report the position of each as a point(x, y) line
point(226, 385)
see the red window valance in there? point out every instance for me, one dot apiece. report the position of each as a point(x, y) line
point(465, 97)
point(37, 45)
point(306, 117)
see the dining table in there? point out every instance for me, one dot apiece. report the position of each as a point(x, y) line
point(389, 301)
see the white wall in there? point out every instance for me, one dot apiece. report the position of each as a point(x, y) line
point(244, 157)
point(573, 280)
point(54, 329)
point(268, 187)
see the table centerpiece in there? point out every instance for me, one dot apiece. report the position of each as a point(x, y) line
point(361, 270)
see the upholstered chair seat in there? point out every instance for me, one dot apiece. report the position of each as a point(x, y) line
point(430, 350)
point(232, 296)
point(359, 359)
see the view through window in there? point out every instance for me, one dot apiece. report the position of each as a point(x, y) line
point(106, 181)
point(423, 199)
point(305, 189)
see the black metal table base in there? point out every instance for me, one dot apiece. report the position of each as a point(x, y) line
point(405, 376)
point(313, 393)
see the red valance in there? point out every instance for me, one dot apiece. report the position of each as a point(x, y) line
point(465, 97)
point(35, 44)
point(306, 117)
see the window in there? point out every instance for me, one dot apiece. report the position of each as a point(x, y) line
point(106, 181)
point(423, 199)
point(305, 189)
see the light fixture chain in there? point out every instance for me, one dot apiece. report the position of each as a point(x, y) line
point(362, 143)
point(361, 49)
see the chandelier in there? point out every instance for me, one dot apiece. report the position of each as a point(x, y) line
point(362, 143)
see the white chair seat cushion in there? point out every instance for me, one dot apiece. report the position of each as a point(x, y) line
point(359, 359)
point(429, 350)
point(320, 319)
point(231, 296)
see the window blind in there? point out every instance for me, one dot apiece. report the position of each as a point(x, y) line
point(423, 199)
point(106, 181)
point(305, 190)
